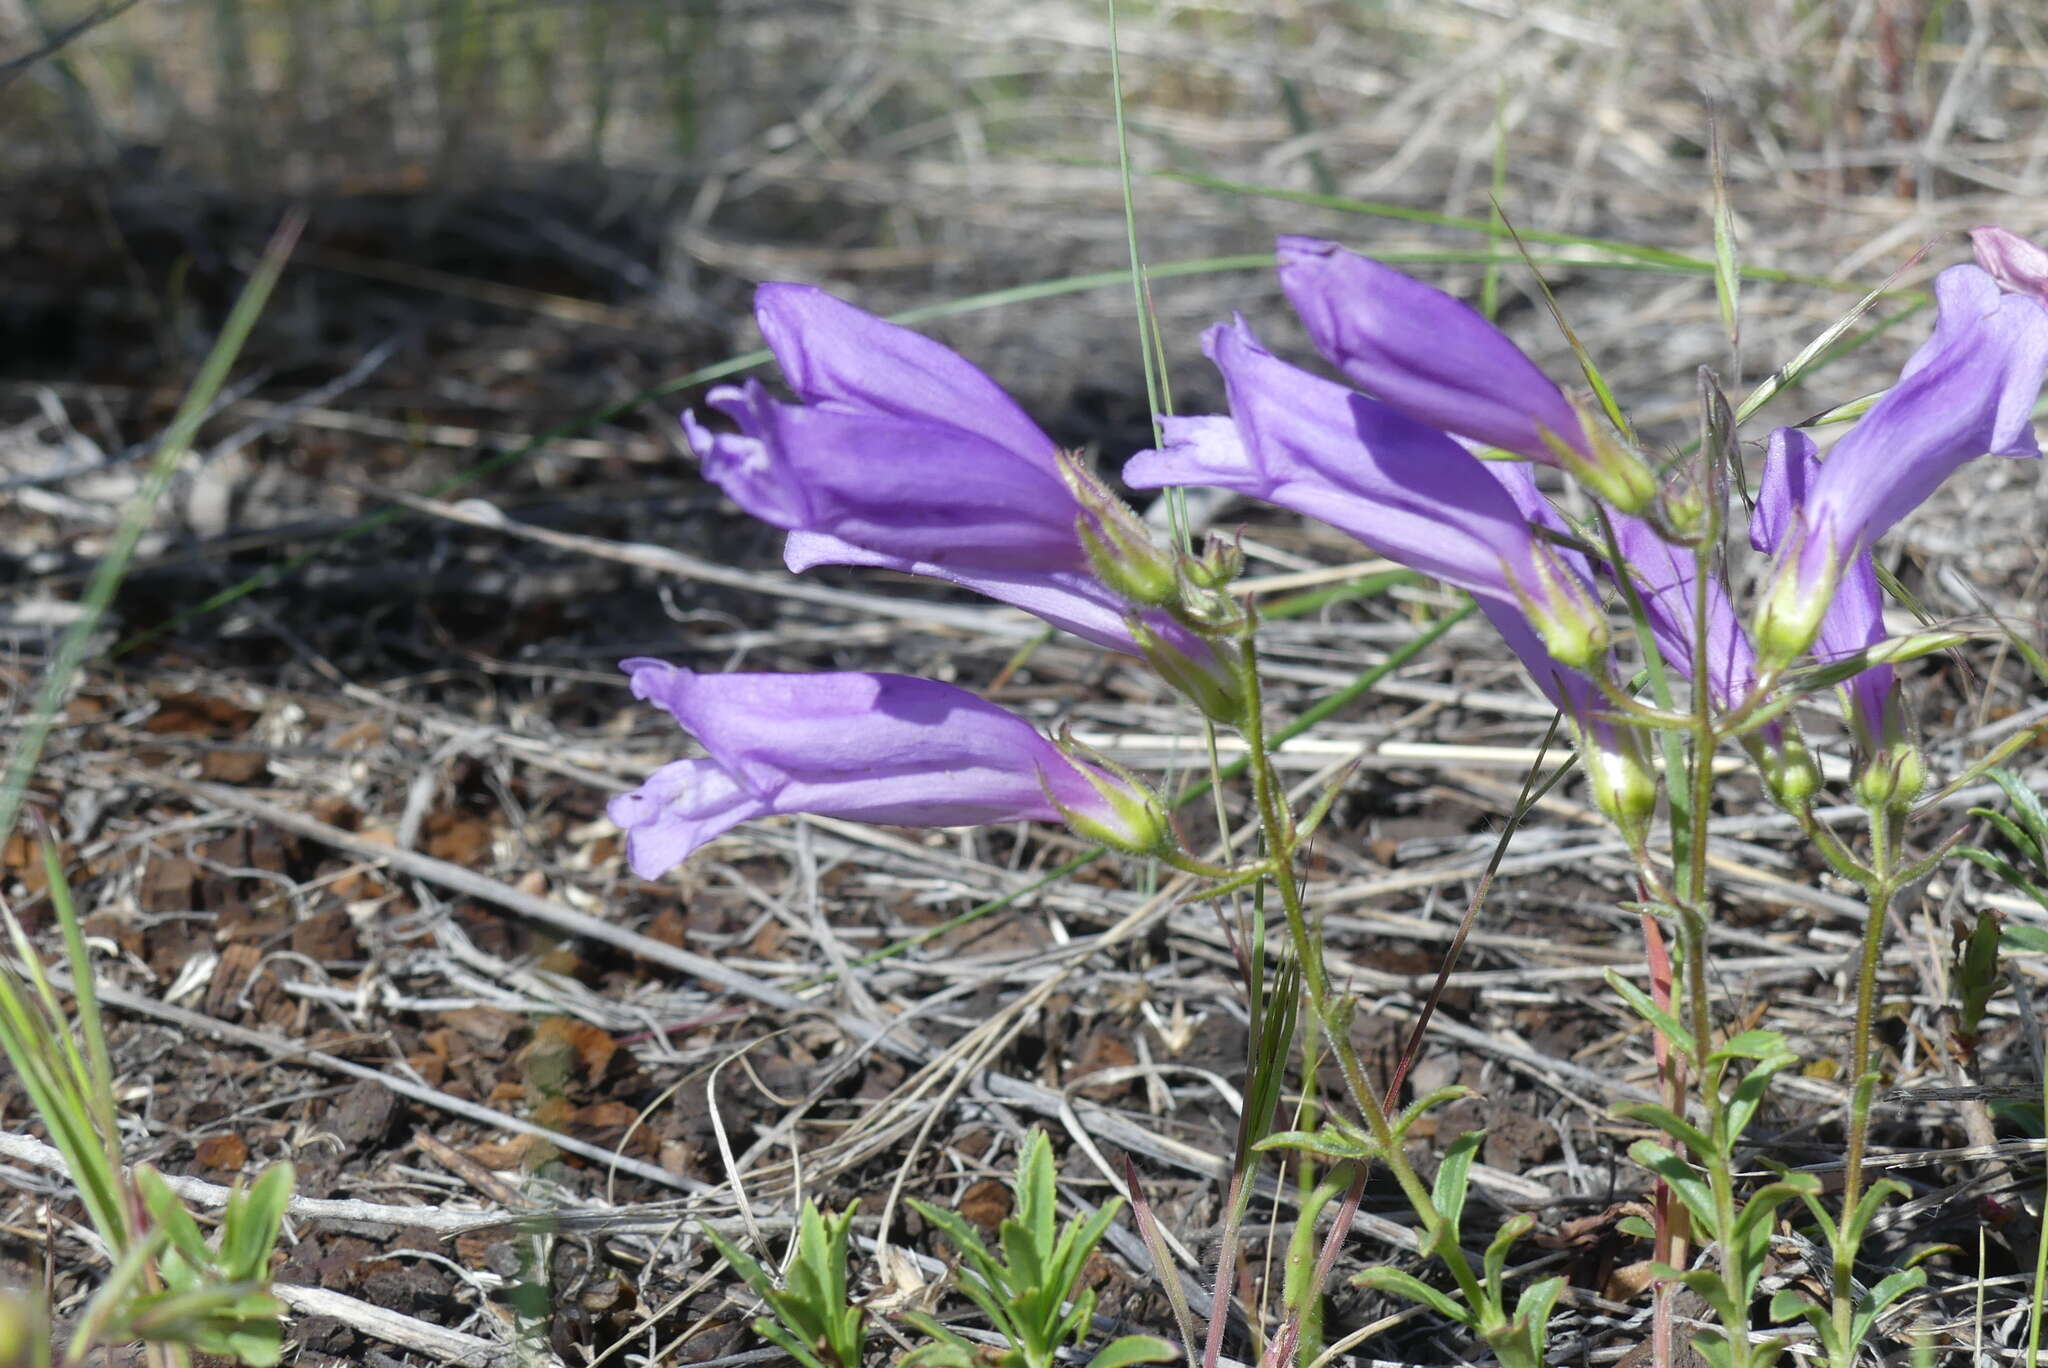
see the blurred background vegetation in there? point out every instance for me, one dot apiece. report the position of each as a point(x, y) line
point(625, 167)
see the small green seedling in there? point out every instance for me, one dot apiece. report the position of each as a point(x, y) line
point(1029, 1291)
point(169, 1287)
point(814, 1321)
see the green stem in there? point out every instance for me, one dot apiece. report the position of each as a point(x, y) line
point(1695, 912)
point(1280, 835)
point(1883, 853)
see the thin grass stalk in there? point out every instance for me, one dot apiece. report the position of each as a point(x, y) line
point(107, 575)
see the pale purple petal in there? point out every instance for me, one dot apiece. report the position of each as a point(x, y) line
point(864, 747)
point(837, 356)
point(1315, 447)
point(2014, 262)
point(890, 484)
point(1854, 620)
point(1790, 463)
point(1420, 351)
point(1667, 580)
point(1973, 395)
point(681, 806)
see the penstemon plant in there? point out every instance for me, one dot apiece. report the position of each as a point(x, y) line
point(1445, 458)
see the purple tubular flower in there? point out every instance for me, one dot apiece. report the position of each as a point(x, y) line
point(904, 456)
point(1970, 390)
point(1411, 493)
point(1854, 620)
point(1419, 350)
point(868, 747)
point(1667, 581)
point(1313, 446)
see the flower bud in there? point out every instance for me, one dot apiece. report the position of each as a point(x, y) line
point(1612, 471)
point(1120, 547)
point(1789, 618)
point(1789, 771)
point(1129, 816)
point(1568, 618)
point(1892, 776)
point(1220, 563)
point(1624, 783)
point(1202, 671)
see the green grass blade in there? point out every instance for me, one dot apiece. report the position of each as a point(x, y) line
point(1657, 257)
point(1727, 266)
point(1809, 356)
point(1489, 281)
point(106, 578)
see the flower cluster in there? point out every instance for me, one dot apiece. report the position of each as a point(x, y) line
point(1399, 466)
point(902, 455)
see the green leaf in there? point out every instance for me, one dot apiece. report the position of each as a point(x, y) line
point(788, 1343)
point(1872, 1304)
point(1333, 1141)
point(1671, 1123)
point(1682, 1178)
point(1496, 1259)
point(2020, 840)
point(2027, 805)
point(1133, 1349)
point(169, 1213)
point(1533, 1309)
point(1636, 1226)
point(1644, 1006)
point(1022, 1254)
point(2006, 872)
point(249, 1227)
point(1869, 1205)
point(964, 1238)
point(1399, 1284)
point(1788, 1303)
point(1415, 1111)
point(1037, 1203)
point(1452, 1176)
point(1752, 1045)
point(751, 1273)
point(2019, 936)
point(1748, 1097)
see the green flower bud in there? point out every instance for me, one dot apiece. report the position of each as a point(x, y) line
point(1571, 622)
point(1120, 547)
point(1891, 777)
point(1789, 771)
point(1788, 618)
point(1131, 818)
point(1618, 475)
point(1623, 781)
point(1213, 684)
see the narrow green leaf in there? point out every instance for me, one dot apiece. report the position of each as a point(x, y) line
point(1644, 1006)
point(1037, 1202)
point(1133, 1349)
point(2020, 936)
point(1672, 1124)
point(1396, 1283)
point(1452, 1177)
point(1422, 1106)
point(1727, 270)
point(1682, 1178)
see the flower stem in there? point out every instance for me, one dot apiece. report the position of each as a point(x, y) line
point(1883, 853)
point(1281, 850)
